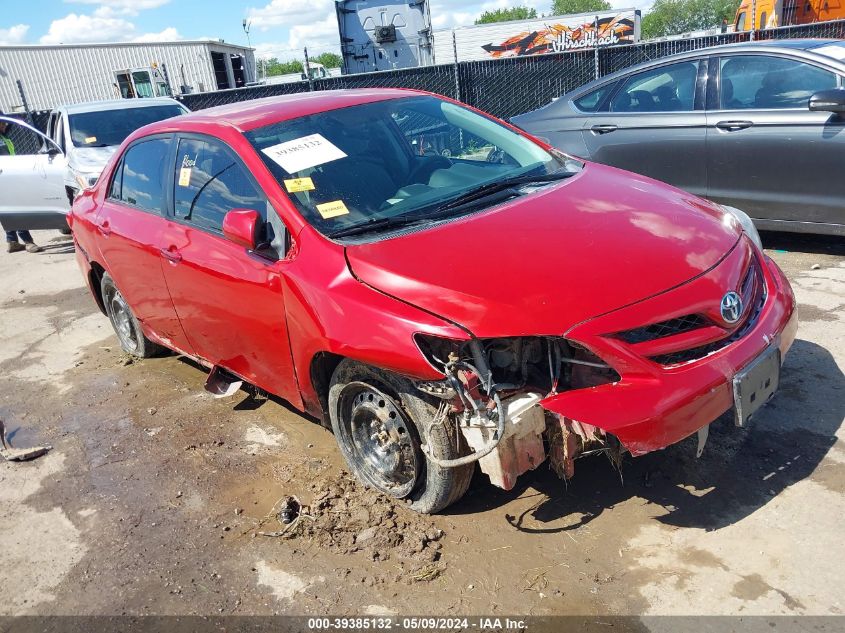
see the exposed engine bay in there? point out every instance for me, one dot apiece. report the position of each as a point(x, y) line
point(492, 393)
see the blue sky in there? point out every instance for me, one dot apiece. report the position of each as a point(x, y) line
point(279, 28)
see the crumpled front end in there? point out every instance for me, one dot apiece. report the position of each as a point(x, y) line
point(634, 379)
point(677, 356)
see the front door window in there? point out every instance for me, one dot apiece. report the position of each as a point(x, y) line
point(762, 82)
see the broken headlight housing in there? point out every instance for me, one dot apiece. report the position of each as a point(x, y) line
point(535, 363)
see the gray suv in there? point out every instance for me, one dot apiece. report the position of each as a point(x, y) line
point(760, 126)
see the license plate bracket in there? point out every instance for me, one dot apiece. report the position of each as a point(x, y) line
point(755, 385)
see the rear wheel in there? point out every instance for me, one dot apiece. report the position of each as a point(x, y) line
point(126, 326)
point(376, 417)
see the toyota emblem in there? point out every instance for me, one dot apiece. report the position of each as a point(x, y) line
point(731, 308)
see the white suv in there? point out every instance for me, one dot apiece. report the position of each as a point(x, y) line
point(89, 133)
point(41, 179)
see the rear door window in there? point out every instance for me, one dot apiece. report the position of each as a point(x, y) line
point(209, 182)
point(669, 88)
point(142, 175)
point(763, 82)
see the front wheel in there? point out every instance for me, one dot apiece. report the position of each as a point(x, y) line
point(126, 326)
point(376, 417)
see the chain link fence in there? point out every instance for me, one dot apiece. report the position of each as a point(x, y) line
point(506, 87)
point(25, 141)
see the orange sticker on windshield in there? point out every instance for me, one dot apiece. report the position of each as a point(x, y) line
point(331, 210)
point(90, 139)
point(295, 185)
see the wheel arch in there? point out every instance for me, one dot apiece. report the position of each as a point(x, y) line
point(320, 372)
point(95, 278)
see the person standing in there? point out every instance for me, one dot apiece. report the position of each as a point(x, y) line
point(15, 240)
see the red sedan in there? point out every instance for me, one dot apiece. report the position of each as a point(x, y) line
point(434, 284)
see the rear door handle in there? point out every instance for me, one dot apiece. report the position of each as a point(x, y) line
point(104, 228)
point(604, 129)
point(732, 126)
point(171, 254)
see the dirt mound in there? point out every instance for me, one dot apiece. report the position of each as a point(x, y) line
point(345, 517)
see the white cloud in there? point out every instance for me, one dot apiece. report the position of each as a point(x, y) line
point(14, 34)
point(74, 29)
point(169, 34)
point(291, 13)
point(109, 8)
point(317, 36)
point(83, 29)
point(313, 25)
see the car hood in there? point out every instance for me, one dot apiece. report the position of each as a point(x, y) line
point(90, 159)
point(542, 263)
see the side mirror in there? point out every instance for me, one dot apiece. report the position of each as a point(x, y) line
point(241, 227)
point(828, 101)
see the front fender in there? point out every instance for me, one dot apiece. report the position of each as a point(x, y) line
point(330, 311)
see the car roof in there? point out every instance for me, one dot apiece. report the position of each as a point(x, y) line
point(806, 44)
point(116, 104)
point(249, 115)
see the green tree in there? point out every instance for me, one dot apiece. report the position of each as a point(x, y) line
point(275, 67)
point(507, 15)
point(670, 17)
point(567, 7)
point(329, 60)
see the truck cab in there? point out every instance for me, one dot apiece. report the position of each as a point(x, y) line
point(142, 83)
point(768, 14)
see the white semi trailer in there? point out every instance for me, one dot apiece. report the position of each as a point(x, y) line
point(384, 34)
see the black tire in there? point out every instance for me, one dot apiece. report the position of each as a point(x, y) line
point(426, 487)
point(126, 326)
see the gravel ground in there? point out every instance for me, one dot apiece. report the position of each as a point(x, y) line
point(154, 496)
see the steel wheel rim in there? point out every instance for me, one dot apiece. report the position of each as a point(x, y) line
point(121, 317)
point(377, 433)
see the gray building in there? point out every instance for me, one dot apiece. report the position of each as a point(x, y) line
point(65, 74)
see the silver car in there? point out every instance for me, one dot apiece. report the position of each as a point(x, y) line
point(760, 126)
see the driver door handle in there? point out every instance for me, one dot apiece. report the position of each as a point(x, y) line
point(604, 129)
point(732, 126)
point(171, 254)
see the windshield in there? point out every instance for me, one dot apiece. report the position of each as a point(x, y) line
point(111, 127)
point(400, 159)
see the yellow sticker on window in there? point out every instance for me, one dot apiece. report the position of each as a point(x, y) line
point(184, 176)
point(295, 185)
point(331, 210)
point(90, 139)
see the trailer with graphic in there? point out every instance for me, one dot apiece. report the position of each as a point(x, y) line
point(554, 34)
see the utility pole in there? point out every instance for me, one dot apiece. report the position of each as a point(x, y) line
point(247, 24)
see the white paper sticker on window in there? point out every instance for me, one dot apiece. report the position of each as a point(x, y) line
point(302, 153)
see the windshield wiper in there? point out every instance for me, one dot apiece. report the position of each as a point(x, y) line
point(490, 188)
point(490, 193)
point(374, 224)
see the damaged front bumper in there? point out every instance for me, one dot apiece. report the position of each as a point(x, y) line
point(654, 406)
